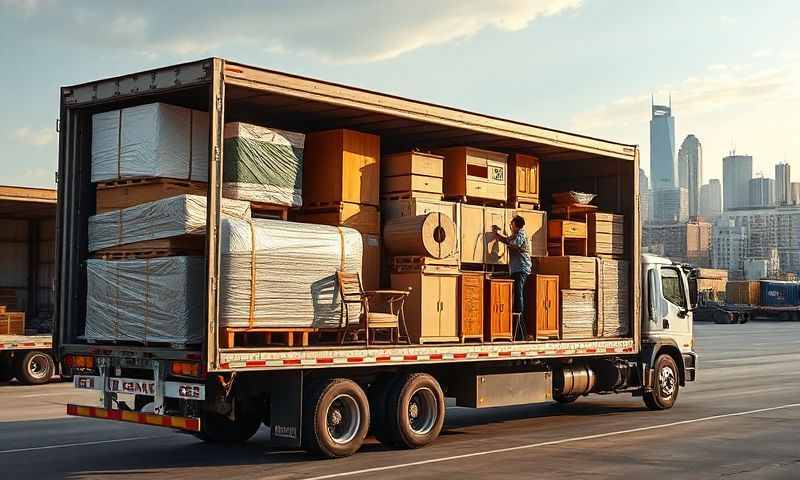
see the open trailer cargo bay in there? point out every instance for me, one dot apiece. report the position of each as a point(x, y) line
point(322, 396)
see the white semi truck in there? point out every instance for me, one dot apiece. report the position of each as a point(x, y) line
point(327, 398)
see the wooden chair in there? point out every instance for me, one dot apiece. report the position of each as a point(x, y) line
point(369, 321)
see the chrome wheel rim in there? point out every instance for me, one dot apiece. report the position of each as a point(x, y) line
point(38, 365)
point(343, 419)
point(423, 411)
point(667, 381)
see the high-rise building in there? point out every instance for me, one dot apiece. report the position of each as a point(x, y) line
point(690, 171)
point(768, 228)
point(737, 170)
point(762, 192)
point(663, 170)
point(644, 196)
point(783, 184)
point(711, 199)
point(729, 247)
point(670, 205)
point(682, 242)
point(795, 193)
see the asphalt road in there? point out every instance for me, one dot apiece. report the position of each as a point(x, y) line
point(741, 419)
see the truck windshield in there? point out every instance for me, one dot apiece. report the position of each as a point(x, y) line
point(672, 286)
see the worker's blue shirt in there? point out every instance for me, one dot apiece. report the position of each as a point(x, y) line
point(519, 253)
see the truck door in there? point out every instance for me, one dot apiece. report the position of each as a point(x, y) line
point(672, 315)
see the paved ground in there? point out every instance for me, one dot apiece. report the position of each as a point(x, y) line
point(740, 420)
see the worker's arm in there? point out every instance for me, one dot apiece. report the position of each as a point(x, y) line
point(502, 238)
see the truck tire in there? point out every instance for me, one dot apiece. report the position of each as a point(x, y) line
point(336, 418)
point(565, 398)
point(218, 428)
point(415, 413)
point(34, 367)
point(6, 368)
point(667, 384)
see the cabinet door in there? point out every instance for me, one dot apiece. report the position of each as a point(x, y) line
point(430, 305)
point(472, 233)
point(551, 322)
point(533, 177)
point(471, 305)
point(495, 250)
point(523, 170)
point(505, 292)
point(448, 306)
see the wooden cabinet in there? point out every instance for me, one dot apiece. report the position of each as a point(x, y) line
point(543, 307)
point(475, 173)
point(536, 228)
point(478, 242)
point(413, 163)
point(341, 166)
point(431, 310)
point(411, 184)
point(523, 180)
point(470, 300)
point(364, 218)
point(567, 237)
point(498, 319)
point(575, 273)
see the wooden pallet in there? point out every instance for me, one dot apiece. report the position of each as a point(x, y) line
point(12, 323)
point(264, 336)
point(269, 210)
point(124, 193)
point(184, 245)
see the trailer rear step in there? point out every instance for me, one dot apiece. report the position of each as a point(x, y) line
point(189, 424)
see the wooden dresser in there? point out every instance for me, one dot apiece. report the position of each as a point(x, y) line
point(543, 302)
point(470, 300)
point(431, 309)
point(498, 320)
point(567, 237)
point(523, 181)
point(475, 173)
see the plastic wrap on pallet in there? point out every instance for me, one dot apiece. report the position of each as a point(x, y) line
point(614, 318)
point(263, 164)
point(168, 217)
point(156, 300)
point(578, 314)
point(153, 140)
point(295, 273)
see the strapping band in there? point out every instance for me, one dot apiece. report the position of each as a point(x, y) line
point(252, 319)
point(341, 249)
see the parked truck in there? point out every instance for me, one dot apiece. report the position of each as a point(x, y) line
point(27, 251)
point(747, 300)
point(325, 398)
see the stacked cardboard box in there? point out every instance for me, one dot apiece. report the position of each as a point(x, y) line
point(578, 314)
point(614, 314)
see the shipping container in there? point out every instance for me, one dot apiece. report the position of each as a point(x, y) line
point(776, 293)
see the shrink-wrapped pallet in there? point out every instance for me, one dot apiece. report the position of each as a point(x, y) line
point(143, 301)
point(263, 164)
point(578, 314)
point(169, 217)
point(152, 140)
point(614, 317)
point(283, 274)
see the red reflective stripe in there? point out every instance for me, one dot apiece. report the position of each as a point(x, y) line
point(483, 354)
point(560, 352)
point(292, 361)
point(355, 359)
point(255, 363)
point(409, 357)
point(436, 356)
point(459, 355)
point(166, 421)
point(325, 360)
point(611, 350)
point(591, 350)
point(504, 354)
point(192, 424)
point(383, 359)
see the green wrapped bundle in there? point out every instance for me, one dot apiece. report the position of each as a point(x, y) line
point(263, 164)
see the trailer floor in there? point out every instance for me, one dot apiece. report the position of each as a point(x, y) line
point(740, 420)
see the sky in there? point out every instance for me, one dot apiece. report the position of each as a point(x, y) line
point(731, 67)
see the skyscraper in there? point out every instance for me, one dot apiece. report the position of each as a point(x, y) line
point(672, 205)
point(783, 184)
point(711, 199)
point(795, 193)
point(663, 171)
point(762, 192)
point(690, 171)
point(737, 170)
point(644, 196)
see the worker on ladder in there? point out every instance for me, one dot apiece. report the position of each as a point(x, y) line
point(519, 266)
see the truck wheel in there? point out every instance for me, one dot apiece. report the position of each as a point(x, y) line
point(667, 384)
point(564, 398)
point(218, 428)
point(416, 411)
point(34, 367)
point(6, 368)
point(336, 418)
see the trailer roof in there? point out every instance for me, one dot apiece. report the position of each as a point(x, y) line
point(307, 104)
point(27, 202)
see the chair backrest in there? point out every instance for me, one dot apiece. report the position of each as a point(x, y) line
point(349, 285)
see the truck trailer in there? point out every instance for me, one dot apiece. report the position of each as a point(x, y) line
point(326, 398)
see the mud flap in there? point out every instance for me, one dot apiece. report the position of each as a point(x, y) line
point(286, 410)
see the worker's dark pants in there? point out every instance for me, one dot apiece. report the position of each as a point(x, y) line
point(520, 279)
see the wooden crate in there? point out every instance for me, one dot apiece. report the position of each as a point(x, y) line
point(543, 307)
point(416, 163)
point(575, 273)
point(431, 310)
point(161, 247)
point(232, 337)
point(371, 262)
point(498, 318)
point(341, 166)
point(475, 173)
point(12, 323)
point(606, 234)
point(126, 193)
point(536, 228)
point(470, 302)
point(364, 218)
point(743, 292)
point(412, 184)
point(523, 180)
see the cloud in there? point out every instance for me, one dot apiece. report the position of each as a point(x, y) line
point(35, 137)
point(333, 31)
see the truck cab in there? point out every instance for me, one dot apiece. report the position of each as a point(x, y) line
point(669, 298)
